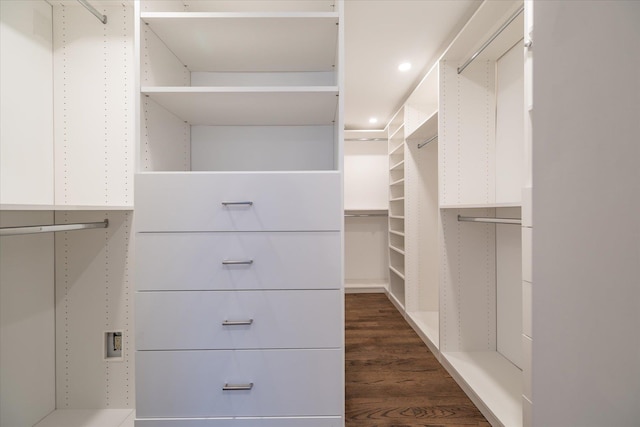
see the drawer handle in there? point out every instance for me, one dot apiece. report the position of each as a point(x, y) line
point(246, 203)
point(237, 322)
point(237, 387)
point(237, 262)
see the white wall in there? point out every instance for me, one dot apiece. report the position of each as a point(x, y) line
point(586, 206)
point(366, 175)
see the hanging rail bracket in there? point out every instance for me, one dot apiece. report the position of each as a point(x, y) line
point(90, 8)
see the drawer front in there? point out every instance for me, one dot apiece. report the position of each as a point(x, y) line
point(283, 383)
point(232, 261)
point(242, 422)
point(238, 320)
point(238, 201)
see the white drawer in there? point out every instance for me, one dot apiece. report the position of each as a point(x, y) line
point(200, 201)
point(284, 383)
point(238, 320)
point(274, 260)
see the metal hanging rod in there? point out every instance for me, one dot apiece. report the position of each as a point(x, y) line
point(366, 139)
point(491, 39)
point(428, 141)
point(365, 215)
point(32, 229)
point(87, 5)
point(515, 221)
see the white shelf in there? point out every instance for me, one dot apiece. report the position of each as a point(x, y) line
point(397, 199)
point(427, 325)
point(425, 130)
point(400, 275)
point(249, 42)
point(88, 418)
point(400, 251)
point(492, 382)
point(398, 182)
point(237, 106)
point(396, 149)
point(397, 233)
point(17, 207)
point(393, 134)
point(396, 217)
point(395, 301)
point(482, 205)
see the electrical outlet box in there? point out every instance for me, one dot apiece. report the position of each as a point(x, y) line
point(114, 346)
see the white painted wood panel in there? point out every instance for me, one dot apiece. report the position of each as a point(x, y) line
point(285, 383)
point(509, 287)
point(302, 78)
point(281, 201)
point(366, 175)
point(280, 319)
point(262, 148)
point(527, 313)
point(193, 261)
point(94, 295)
point(255, 106)
point(27, 319)
point(158, 65)
point(249, 42)
point(586, 205)
point(165, 140)
point(235, 6)
point(26, 114)
point(87, 418)
point(94, 105)
point(366, 246)
point(510, 126)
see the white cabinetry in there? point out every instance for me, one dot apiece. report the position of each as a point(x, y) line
point(239, 214)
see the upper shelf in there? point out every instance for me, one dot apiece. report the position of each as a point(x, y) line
point(425, 130)
point(237, 106)
point(249, 42)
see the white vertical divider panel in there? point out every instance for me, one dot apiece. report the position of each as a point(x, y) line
point(26, 115)
point(93, 296)
point(93, 104)
point(27, 319)
point(468, 274)
point(159, 66)
point(165, 139)
point(510, 126)
point(509, 287)
point(586, 205)
point(467, 133)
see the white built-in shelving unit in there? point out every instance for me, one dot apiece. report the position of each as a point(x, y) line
point(240, 156)
point(66, 157)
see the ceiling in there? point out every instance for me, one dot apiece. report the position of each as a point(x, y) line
point(381, 34)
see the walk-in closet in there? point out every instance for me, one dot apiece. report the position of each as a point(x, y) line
point(197, 197)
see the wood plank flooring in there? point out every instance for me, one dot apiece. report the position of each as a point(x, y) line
point(392, 379)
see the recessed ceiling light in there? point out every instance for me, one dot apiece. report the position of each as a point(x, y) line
point(373, 120)
point(405, 66)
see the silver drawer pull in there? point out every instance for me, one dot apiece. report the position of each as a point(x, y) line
point(237, 387)
point(237, 322)
point(237, 262)
point(246, 203)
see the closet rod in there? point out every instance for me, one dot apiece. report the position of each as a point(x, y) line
point(514, 221)
point(14, 231)
point(366, 139)
point(87, 5)
point(491, 39)
point(364, 215)
point(428, 141)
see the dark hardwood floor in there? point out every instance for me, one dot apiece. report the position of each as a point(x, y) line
point(392, 379)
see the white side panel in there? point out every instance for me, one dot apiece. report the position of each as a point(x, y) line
point(510, 126)
point(285, 383)
point(509, 287)
point(94, 102)
point(366, 175)
point(279, 319)
point(94, 295)
point(266, 148)
point(26, 105)
point(194, 261)
point(27, 334)
point(243, 6)
point(158, 65)
point(323, 78)
point(468, 282)
point(586, 205)
point(165, 139)
point(243, 422)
